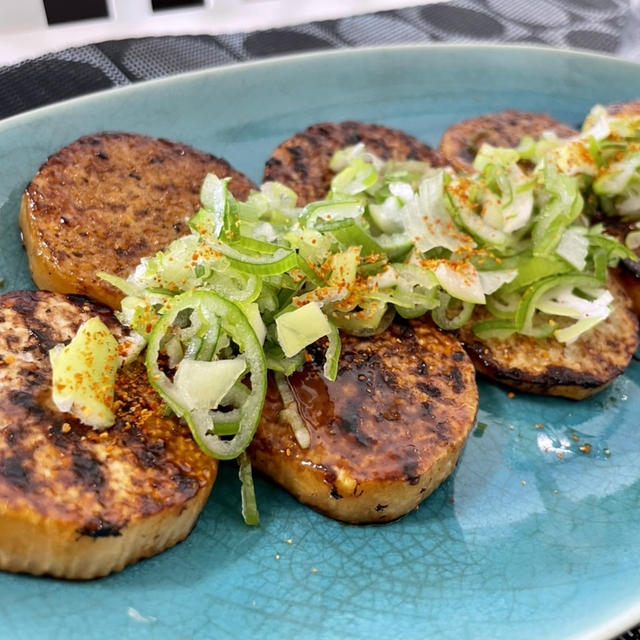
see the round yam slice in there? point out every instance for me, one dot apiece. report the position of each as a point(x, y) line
point(461, 141)
point(628, 274)
point(302, 161)
point(384, 435)
point(629, 271)
point(546, 366)
point(75, 502)
point(106, 201)
point(630, 108)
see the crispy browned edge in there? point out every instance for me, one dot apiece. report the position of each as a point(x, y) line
point(574, 371)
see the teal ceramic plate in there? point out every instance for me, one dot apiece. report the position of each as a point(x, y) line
point(518, 543)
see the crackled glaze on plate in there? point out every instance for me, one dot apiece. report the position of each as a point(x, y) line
point(530, 538)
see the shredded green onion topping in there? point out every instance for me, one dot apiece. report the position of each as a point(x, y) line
point(257, 282)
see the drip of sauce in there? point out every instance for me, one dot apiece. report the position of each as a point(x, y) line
point(313, 398)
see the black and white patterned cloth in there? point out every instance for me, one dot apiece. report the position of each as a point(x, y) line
point(595, 25)
point(585, 24)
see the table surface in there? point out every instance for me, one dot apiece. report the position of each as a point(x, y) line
point(584, 24)
point(25, 33)
point(596, 25)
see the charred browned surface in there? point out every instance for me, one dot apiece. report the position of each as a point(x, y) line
point(628, 272)
point(575, 370)
point(302, 161)
point(71, 483)
point(631, 108)
point(629, 276)
point(461, 141)
point(106, 201)
point(384, 435)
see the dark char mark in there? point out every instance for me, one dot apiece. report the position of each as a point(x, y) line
point(442, 431)
point(352, 138)
point(33, 378)
point(184, 484)
point(12, 435)
point(87, 470)
point(11, 341)
point(553, 376)
point(25, 401)
point(45, 341)
point(632, 267)
point(299, 160)
point(410, 466)
point(148, 454)
point(273, 162)
point(457, 383)
point(430, 389)
point(24, 302)
point(351, 427)
point(12, 469)
point(317, 352)
point(99, 528)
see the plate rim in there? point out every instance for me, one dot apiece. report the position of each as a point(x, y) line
point(242, 66)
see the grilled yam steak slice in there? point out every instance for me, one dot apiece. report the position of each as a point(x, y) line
point(529, 364)
point(629, 271)
point(461, 141)
point(628, 274)
point(74, 502)
point(106, 201)
point(384, 435)
point(549, 367)
point(631, 108)
point(302, 161)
